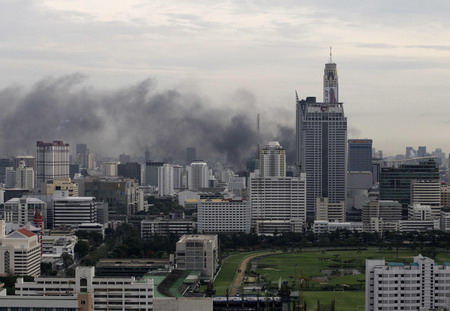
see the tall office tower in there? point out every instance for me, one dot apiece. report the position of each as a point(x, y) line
point(130, 170)
point(198, 175)
point(147, 156)
point(24, 176)
point(272, 160)
point(52, 161)
point(427, 192)
point(151, 173)
point(360, 155)
point(322, 143)
point(81, 149)
point(4, 163)
point(10, 177)
point(29, 161)
point(422, 151)
point(178, 173)
point(165, 180)
point(191, 155)
point(395, 182)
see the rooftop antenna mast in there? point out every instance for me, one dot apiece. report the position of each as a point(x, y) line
point(331, 55)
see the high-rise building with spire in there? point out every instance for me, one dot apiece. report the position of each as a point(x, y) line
point(322, 142)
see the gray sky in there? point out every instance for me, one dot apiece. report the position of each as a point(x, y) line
point(393, 56)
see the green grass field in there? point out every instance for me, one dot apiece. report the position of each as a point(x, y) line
point(345, 301)
point(227, 271)
point(289, 266)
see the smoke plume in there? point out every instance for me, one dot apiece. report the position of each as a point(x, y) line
point(129, 119)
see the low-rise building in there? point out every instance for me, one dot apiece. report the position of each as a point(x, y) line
point(199, 253)
point(53, 246)
point(118, 293)
point(164, 227)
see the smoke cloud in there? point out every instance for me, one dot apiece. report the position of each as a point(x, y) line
point(130, 119)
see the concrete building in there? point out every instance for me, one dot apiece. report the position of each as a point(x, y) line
point(323, 226)
point(53, 246)
point(322, 143)
point(223, 216)
point(278, 204)
point(110, 293)
point(20, 252)
point(10, 177)
point(199, 253)
point(272, 160)
point(24, 176)
point(22, 211)
point(395, 182)
point(165, 180)
point(360, 155)
point(324, 210)
point(4, 163)
point(121, 194)
point(73, 211)
point(445, 196)
point(130, 170)
point(164, 227)
point(445, 221)
point(381, 215)
point(398, 286)
point(420, 212)
point(191, 155)
point(198, 175)
point(151, 173)
point(110, 169)
point(427, 192)
point(76, 302)
point(52, 161)
point(61, 184)
point(29, 161)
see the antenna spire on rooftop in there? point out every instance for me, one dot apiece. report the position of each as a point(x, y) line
point(331, 55)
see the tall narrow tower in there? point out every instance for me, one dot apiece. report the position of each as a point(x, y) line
point(322, 143)
point(330, 82)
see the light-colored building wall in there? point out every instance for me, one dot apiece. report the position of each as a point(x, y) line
point(217, 216)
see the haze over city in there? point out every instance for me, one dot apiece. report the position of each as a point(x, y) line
point(95, 64)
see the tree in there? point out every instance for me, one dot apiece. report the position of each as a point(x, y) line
point(82, 248)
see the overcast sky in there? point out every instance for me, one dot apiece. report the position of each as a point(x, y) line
point(393, 56)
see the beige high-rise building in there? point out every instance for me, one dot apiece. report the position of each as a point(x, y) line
point(272, 160)
point(52, 161)
point(24, 176)
point(110, 169)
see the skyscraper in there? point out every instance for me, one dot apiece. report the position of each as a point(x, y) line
point(52, 161)
point(272, 160)
point(191, 155)
point(322, 143)
point(198, 175)
point(360, 155)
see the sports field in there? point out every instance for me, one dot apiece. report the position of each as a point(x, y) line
point(345, 301)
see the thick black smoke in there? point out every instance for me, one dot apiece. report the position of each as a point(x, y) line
point(129, 119)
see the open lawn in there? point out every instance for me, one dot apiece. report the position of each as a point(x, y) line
point(228, 270)
point(345, 301)
point(308, 264)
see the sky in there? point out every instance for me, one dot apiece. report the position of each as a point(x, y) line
point(393, 57)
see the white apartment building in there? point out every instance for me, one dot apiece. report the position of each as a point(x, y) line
point(198, 175)
point(427, 192)
point(19, 252)
point(278, 203)
point(397, 286)
point(118, 293)
point(198, 252)
point(445, 221)
point(77, 302)
point(420, 212)
point(73, 211)
point(22, 211)
point(166, 180)
point(217, 216)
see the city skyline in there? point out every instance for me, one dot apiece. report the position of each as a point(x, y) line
point(389, 64)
